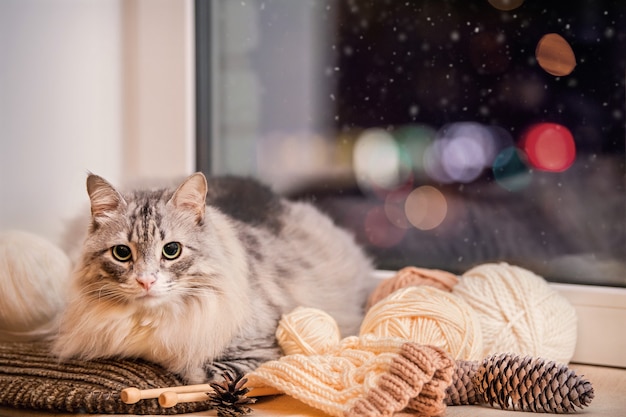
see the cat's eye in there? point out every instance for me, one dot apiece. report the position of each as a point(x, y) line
point(122, 253)
point(172, 250)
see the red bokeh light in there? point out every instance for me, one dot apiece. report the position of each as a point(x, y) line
point(379, 231)
point(549, 147)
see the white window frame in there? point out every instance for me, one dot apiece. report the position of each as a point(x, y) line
point(158, 88)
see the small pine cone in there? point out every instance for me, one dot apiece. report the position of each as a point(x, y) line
point(531, 384)
point(462, 390)
point(229, 397)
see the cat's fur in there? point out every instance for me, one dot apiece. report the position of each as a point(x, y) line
point(248, 256)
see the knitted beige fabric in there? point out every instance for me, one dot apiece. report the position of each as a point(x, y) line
point(364, 376)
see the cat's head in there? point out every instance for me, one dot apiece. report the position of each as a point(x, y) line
point(144, 246)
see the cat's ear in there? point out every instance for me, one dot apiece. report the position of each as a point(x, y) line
point(104, 198)
point(191, 195)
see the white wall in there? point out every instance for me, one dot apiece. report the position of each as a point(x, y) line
point(81, 89)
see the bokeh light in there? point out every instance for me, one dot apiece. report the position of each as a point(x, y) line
point(378, 162)
point(379, 231)
point(413, 140)
point(461, 152)
point(555, 55)
point(426, 207)
point(433, 166)
point(549, 147)
point(506, 5)
point(510, 171)
point(463, 158)
point(394, 208)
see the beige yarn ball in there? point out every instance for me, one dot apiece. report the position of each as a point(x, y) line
point(307, 331)
point(428, 316)
point(519, 312)
point(33, 278)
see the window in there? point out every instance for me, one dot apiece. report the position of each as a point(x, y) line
point(443, 133)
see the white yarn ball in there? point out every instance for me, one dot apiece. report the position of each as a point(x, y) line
point(519, 312)
point(33, 279)
point(307, 331)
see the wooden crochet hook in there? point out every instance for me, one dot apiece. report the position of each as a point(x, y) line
point(183, 393)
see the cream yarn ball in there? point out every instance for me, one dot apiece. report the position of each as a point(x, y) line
point(519, 312)
point(428, 316)
point(33, 278)
point(308, 331)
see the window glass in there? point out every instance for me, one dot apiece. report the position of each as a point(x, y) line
point(443, 133)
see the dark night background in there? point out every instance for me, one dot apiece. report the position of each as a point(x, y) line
point(440, 62)
point(427, 65)
point(459, 60)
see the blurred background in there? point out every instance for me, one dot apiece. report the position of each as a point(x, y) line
point(443, 133)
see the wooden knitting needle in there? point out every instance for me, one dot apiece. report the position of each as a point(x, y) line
point(133, 395)
point(170, 399)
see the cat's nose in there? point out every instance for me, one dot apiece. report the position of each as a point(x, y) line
point(146, 281)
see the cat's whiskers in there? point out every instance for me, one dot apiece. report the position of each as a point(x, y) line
point(105, 291)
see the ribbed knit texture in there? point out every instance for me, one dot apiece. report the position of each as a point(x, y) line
point(31, 378)
point(364, 377)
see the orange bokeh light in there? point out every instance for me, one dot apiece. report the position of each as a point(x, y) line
point(426, 207)
point(549, 147)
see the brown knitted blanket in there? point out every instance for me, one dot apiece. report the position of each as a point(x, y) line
point(31, 378)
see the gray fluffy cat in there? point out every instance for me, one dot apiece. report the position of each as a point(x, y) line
point(196, 278)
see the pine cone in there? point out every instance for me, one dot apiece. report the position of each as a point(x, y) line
point(229, 397)
point(531, 384)
point(462, 390)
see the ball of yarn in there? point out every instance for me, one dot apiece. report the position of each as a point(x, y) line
point(308, 331)
point(519, 312)
point(428, 316)
point(412, 276)
point(33, 278)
